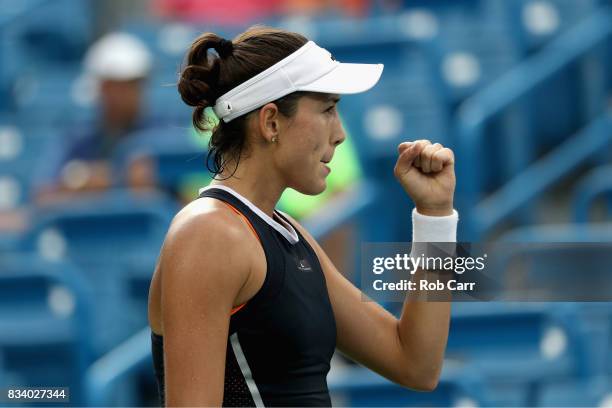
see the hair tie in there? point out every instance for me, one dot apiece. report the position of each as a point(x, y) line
point(224, 48)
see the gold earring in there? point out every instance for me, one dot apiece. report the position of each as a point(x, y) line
point(274, 139)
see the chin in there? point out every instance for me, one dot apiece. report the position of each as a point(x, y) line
point(315, 188)
point(320, 190)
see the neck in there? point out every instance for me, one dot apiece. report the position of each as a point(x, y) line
point(255, 182)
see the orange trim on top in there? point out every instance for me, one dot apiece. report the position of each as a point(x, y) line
point(237, 308)
point(234, 209)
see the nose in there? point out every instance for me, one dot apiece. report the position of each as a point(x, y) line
point(339, 135)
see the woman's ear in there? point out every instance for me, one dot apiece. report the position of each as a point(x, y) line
point(268, 121)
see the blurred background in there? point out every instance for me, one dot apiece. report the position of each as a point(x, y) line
point(97, 154)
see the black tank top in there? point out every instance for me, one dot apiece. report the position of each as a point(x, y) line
point(281, 342)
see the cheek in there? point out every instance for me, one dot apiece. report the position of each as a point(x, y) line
point(298, 157)
point(305, 145)
point(315, 138)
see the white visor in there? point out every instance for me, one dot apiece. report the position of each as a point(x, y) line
point(310, 68)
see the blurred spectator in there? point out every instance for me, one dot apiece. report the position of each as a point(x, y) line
point(119, 65)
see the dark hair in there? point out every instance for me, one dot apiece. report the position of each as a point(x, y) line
point(205, 77)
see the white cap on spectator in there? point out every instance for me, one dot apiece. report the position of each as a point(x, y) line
point(118, 56)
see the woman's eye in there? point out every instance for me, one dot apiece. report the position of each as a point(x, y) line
point(330, 109)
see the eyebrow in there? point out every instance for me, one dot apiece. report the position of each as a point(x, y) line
point(331, 98)
point(326, 97)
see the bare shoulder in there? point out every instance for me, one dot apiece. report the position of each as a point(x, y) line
point(206, 241)
point(206, 212)
point(205, 222)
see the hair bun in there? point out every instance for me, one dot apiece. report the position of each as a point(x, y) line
point(198, 85)
point(225, 48)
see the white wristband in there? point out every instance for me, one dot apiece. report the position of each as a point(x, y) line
point(427, 228)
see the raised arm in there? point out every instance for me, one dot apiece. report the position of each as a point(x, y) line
point(204, 264)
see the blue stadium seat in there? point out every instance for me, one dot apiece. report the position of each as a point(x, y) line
point(590, 393)
point(105, 227)
point(22, 145)
point(112, 380)
point(9, 73)
point(9, 241)
point(482, 212)
point(21, 149)
point(168, 43)
point(44, 323)
point(580, 232)
point(360, 387)
point(39, 32)
point(551, 255)
point(549, 269)
point(12, 142)
point(137, 275)
point(59, 95)
point(597, 183)
point(9, 379)
point(14, 189)
point(56, 32)
point(469, 55)
point(103, 233)
point(536, 22)
point(517, 348)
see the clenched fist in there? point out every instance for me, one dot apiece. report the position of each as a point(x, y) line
point(426, 171)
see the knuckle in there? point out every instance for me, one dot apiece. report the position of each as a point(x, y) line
point(396, 171)
point(444, 152)
point(428, 151)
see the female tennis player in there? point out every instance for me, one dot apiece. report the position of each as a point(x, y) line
point(245, 307)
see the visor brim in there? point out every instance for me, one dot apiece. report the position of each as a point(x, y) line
point(347, 79)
